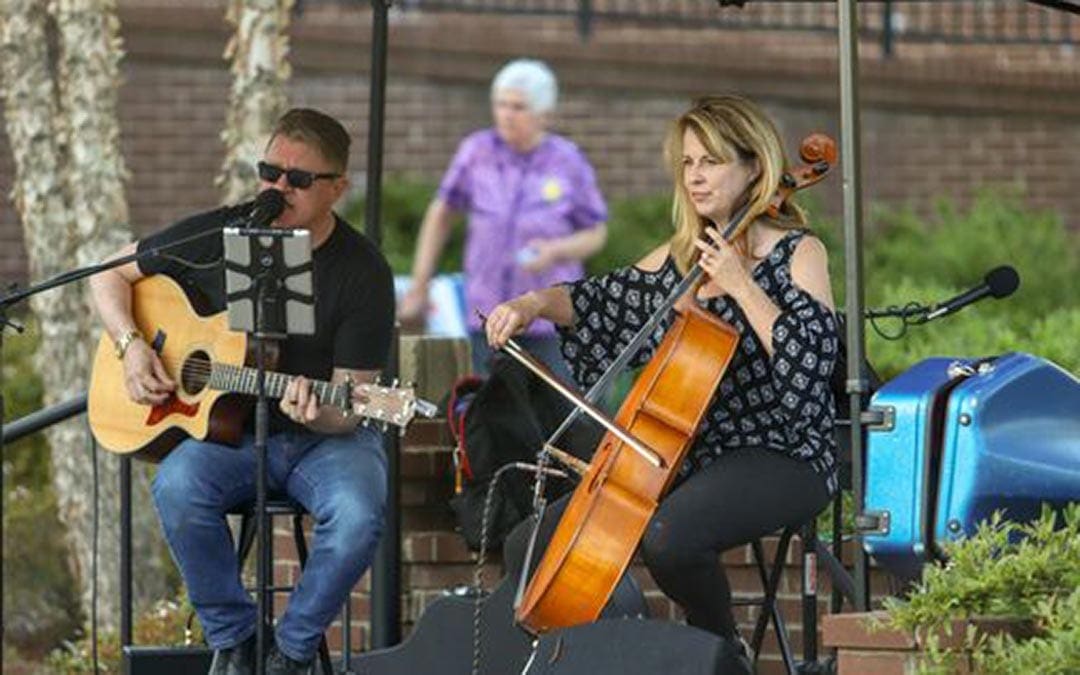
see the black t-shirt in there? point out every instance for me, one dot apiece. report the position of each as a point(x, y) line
point(354, 292)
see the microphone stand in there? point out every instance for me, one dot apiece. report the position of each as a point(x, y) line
point(16, 295)
point(259, 256)
point(262, 426)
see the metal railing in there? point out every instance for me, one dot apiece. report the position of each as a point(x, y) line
point(888, 22)
point(385, 583)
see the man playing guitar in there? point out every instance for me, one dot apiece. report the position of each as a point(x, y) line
point(317, 455)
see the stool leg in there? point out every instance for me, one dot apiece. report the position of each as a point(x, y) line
point(245, 539)
point(770, 581)
point(763, 616)
point(809, 591)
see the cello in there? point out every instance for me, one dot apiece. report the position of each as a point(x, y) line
point(638, 458)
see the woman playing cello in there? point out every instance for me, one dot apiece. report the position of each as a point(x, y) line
point(764, 456)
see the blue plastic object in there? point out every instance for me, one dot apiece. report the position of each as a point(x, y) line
point(898, 461)
point(968, 437)
point(1011, 441)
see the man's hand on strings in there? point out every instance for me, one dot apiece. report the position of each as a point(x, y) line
point(145, 376)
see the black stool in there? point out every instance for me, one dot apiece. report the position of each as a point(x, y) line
point(770, 581)
point(278, 506)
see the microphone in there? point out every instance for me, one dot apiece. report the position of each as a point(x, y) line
point(268, 205)
point(999, 282)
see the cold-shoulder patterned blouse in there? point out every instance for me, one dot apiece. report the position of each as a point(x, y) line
point(783, 403)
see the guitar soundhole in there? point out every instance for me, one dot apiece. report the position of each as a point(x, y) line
point(195, 373)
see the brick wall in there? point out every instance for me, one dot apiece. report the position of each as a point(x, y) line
point(936, 120)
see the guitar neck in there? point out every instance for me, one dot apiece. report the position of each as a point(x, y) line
point(244, 380)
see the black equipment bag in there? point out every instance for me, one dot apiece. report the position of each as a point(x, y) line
point(504, 419)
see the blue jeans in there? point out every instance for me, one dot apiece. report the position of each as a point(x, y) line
point(340, 480)
point(544, 349)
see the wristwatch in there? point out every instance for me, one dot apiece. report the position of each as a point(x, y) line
point(125, 340)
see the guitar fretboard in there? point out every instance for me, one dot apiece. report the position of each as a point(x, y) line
point(242, 380)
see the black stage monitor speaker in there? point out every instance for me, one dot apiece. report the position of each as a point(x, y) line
point(442, 641)
point(144, 660)
point(442, 644)
point(630, 647)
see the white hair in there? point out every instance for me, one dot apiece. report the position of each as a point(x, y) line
point(533, 79)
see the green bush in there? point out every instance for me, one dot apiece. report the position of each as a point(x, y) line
point(908, 259)
point(41, 607)
point(635, 226)
point(169, 623)
point(956, 248)
point(404, 202)
point(1024, 572)
point(27, 461)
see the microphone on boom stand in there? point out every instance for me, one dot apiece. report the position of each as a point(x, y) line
point(999, 282)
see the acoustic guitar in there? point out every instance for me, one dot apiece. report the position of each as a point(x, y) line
point(211, 365)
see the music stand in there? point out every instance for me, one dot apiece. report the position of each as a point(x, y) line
point(270, 295)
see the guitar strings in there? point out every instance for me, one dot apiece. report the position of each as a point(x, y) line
point(205, 368)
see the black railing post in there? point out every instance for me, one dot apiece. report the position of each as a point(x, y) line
point(3, 327)
point(386, 570)
point(125, 553)
point(887, 29)
point(376, 120)
point(851, 164)
point(584, 18)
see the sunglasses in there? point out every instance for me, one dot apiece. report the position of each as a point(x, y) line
point(297, 178)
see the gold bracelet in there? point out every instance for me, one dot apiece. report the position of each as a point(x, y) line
point(125, 340)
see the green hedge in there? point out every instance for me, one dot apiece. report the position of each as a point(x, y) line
point(41, 606)
point(1026, 572)
point(927, 260)
point(404, 201)
point(637, 226)
point(907, 258)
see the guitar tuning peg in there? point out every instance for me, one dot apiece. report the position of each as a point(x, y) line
point(394, 384)
point(366, 423)
point(385, 426)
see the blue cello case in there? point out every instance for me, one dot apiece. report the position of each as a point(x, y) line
point(961, 439)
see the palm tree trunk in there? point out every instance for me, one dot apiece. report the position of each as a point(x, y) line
point(70, 195)
point(258, 52)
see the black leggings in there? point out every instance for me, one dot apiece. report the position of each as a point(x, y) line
point(745, 494)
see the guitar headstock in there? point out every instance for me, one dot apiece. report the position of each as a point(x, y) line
point(390, 405)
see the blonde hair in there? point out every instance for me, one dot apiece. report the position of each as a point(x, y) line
point(731, 128)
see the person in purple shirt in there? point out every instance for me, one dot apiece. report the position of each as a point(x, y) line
point(533, 207)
